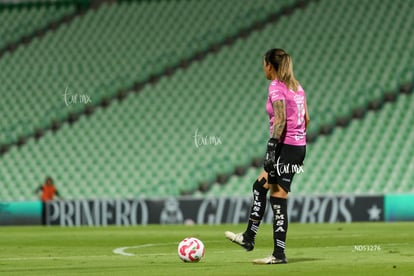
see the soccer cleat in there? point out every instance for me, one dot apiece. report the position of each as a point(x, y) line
point(239, 239)
point(270, 260)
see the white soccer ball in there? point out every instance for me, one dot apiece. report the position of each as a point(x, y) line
point(191, 250)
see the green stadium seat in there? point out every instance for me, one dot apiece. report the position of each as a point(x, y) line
point(127, 142)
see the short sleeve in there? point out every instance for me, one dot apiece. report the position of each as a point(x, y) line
point(276, 92)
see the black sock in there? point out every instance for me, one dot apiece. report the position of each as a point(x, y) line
point(280, 225)
point(256, 210)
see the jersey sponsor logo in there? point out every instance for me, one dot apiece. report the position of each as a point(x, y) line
point(299, 137)
point(299, 98)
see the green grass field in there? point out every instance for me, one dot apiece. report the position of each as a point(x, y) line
point(312, 249)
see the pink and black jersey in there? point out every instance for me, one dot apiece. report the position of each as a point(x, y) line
point(295, 131)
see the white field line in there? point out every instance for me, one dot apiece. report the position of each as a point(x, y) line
point(121, 251)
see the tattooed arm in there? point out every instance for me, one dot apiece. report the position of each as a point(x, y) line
point(273, 146)
point(279, 122)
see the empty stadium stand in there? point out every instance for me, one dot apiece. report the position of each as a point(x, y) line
point(197, 128)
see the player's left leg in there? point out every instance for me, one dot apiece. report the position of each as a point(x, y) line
point(258, 206)
point(278, 202)
point(257, 210)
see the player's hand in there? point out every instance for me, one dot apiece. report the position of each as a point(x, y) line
point(270, 157)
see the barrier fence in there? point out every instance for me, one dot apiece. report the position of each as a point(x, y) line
point(124, 212)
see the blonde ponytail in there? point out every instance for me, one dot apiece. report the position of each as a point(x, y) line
point(285, 73)
point(282, 62)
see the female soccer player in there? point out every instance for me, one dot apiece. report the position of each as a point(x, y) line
point(286, 149)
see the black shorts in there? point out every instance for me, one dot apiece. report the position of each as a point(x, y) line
point(288, 163)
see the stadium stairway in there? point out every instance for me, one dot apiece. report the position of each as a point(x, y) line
point(17, 24)
point(26, 20)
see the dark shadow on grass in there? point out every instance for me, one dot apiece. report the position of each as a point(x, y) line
point(300, 260)
point(290, 260)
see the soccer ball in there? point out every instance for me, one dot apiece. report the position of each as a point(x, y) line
point(191, 250)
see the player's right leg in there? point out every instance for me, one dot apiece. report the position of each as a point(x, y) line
point(246, 239)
